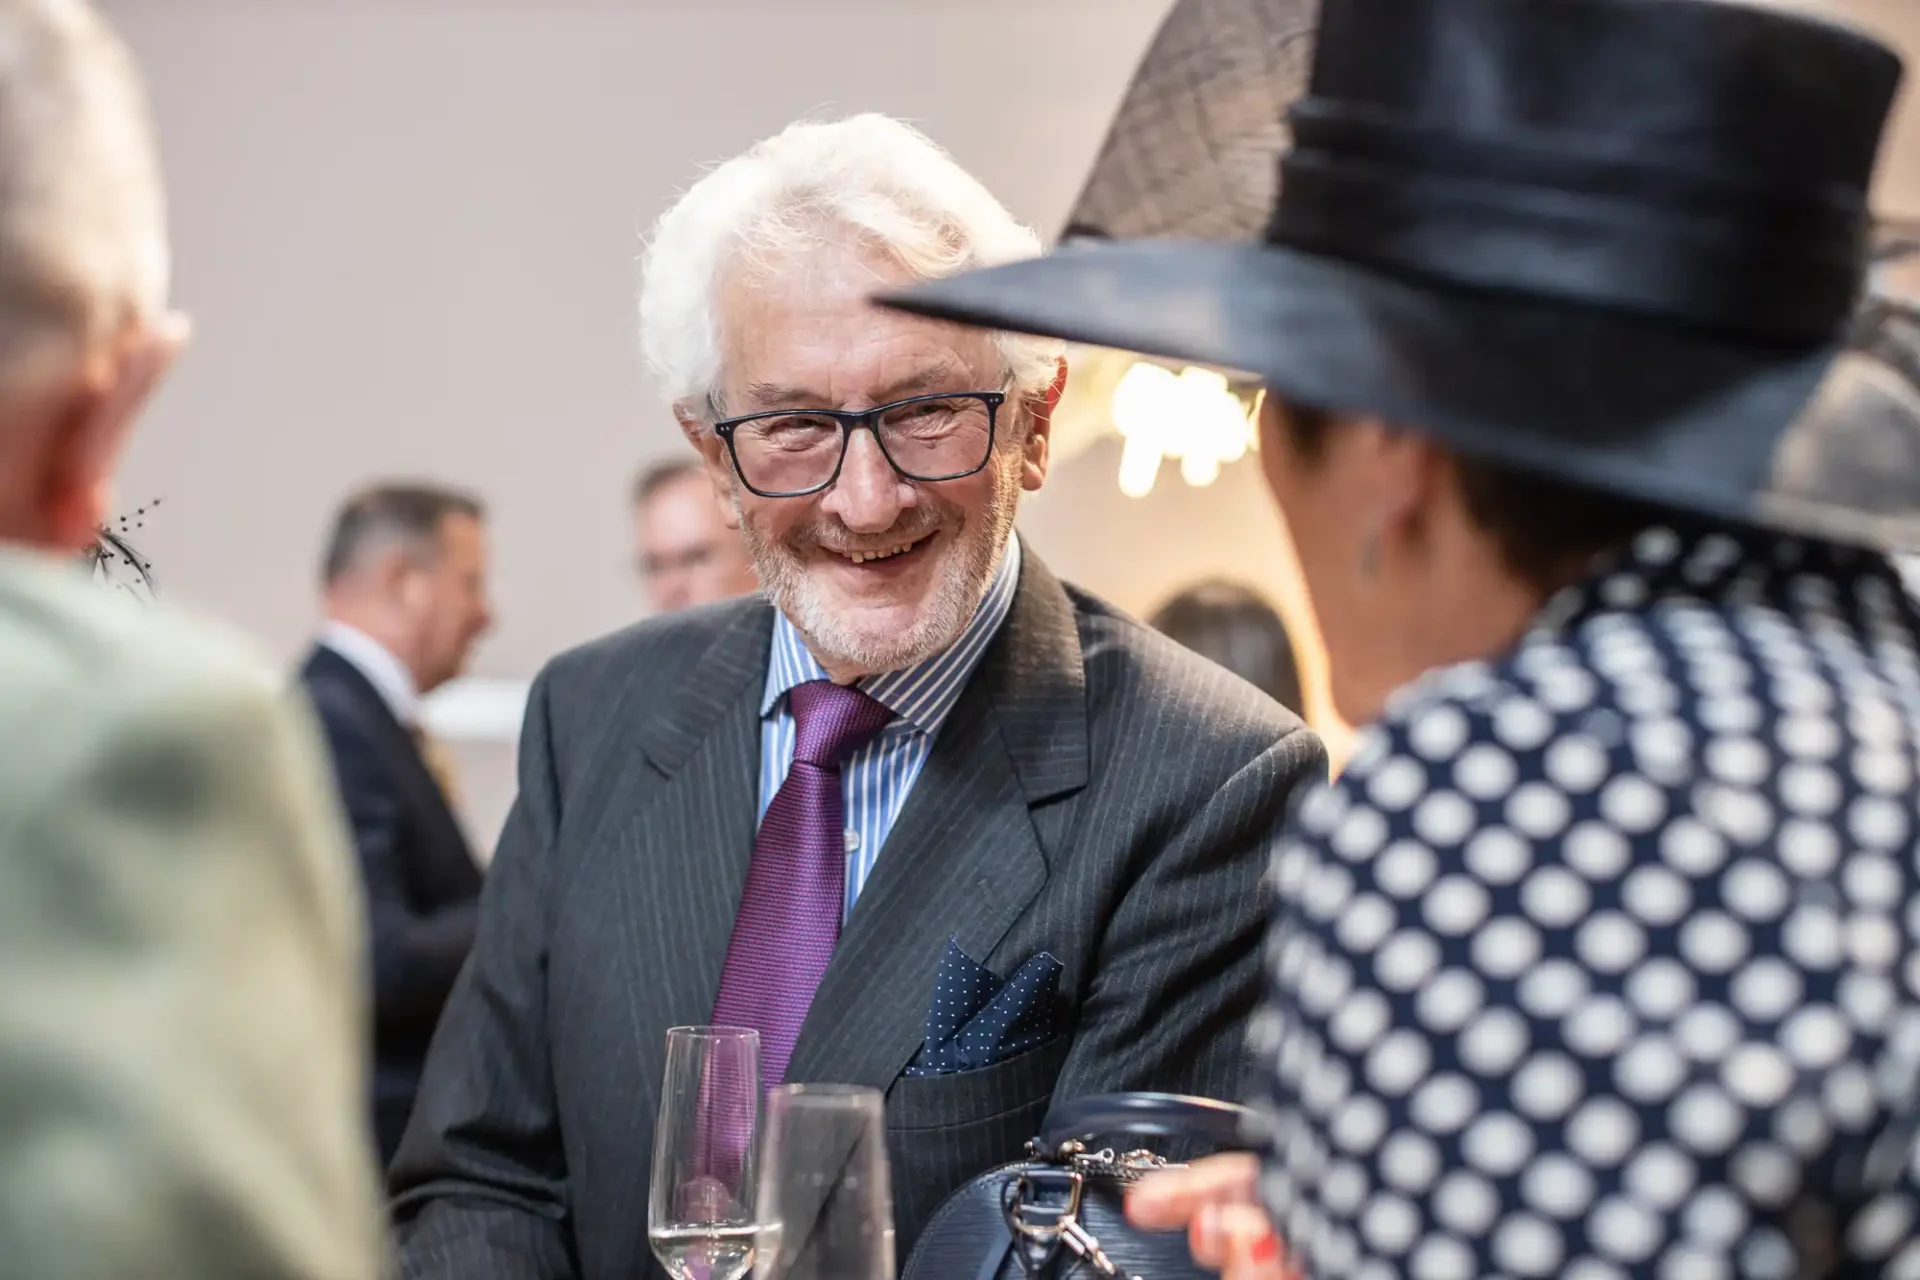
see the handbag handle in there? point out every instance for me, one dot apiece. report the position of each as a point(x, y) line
point(1148, 1115)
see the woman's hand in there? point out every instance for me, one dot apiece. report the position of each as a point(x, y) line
point(1217, 1200)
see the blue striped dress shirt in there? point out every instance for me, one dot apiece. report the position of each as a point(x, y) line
point(875, 781)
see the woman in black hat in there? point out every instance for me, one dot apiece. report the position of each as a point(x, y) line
point(1602, 958)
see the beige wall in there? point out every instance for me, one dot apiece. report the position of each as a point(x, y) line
point(407, 232)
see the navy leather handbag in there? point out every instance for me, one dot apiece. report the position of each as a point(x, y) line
point(1060, 1214)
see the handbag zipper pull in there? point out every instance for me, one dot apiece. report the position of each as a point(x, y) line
point(1077, 1239)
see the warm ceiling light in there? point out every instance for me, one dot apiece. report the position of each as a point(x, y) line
point(1192, 416)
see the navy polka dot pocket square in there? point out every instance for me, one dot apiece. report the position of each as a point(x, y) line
point(978, 1019)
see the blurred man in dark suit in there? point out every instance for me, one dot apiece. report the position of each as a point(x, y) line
point(685, 552)
point(406, 598)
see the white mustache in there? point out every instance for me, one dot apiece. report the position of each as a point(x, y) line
point(886, 542)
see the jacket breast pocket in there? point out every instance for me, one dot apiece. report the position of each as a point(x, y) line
point(1020, 1083)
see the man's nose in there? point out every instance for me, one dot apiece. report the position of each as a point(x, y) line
point(869, 494)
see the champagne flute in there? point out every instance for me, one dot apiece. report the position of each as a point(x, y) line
point(826, 1196)
point(701, 1221)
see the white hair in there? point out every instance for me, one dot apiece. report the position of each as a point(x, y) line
point(869, 175)
point(83, 243)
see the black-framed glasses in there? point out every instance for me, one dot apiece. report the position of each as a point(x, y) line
point(789, 453)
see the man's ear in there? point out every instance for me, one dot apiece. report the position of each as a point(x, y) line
point(398, 576)
point(91, 418)
point(1038, 451)
point(713, 455)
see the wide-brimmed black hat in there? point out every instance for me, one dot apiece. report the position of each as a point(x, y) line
point(1614, 241)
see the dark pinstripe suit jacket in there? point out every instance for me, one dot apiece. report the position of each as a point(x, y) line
point(1097, 793)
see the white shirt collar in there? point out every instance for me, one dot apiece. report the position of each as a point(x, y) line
point(386, 673)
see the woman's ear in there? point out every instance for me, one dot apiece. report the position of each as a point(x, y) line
point(1402, 474)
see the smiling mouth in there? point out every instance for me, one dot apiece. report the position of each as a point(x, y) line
point(884, 553)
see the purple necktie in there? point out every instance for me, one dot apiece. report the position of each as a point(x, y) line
point(789, 919)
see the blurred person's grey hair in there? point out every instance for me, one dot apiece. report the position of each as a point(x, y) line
point(382, 516)
point(813, 184)
point(83, 243)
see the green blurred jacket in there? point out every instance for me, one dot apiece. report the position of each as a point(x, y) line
point(183, 1029)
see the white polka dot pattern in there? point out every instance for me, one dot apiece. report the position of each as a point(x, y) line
point(1602, 961)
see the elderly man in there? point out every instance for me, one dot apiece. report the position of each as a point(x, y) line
point(685, 552)
point(181, 1033)
point(929, 820)
point(406, 598)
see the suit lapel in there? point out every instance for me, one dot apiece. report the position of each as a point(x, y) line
point(963, 860)
point(684, 854)
point(407, 768)
point(323, 664)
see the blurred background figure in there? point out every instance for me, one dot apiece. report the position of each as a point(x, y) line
point(181, 1033)
point(405, 600)
point(1234, 626)
point(685, 552)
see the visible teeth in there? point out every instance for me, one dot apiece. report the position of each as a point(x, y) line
point(861, 557)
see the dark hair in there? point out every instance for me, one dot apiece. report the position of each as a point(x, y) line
point(657, 476)
point(1544, 528)
point(383, 514)
point(1234, 626)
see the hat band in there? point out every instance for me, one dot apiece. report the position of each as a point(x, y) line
point(1592, 230)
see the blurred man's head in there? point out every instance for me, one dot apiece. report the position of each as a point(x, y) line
point(685, 551)
point(84, 333)
point(407, 565)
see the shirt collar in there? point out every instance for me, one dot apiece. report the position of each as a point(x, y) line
point(922, 694)
point(386, 673)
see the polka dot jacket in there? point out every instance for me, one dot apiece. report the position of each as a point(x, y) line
point(1602, 961)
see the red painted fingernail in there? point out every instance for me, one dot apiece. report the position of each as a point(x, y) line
point(1266, 1248)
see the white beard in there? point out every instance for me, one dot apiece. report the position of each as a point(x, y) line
point(965, 573)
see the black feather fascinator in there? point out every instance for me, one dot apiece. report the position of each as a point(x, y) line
point(115, 562)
